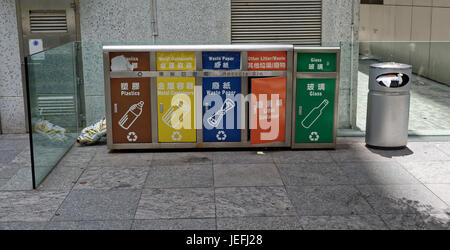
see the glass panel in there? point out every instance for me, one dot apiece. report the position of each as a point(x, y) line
point(430, 89)
point(53, 107)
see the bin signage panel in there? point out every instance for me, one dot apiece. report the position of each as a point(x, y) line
point(267, 60)
point(316, 62)
point(315, 110)
point(221, 109)
point(176, 109)
point(268, 110)
point(129, 61)
point(130, 99)
point(172, 61)
point(222, 60)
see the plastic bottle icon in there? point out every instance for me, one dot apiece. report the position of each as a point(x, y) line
point(131, 115)
point(315, 113)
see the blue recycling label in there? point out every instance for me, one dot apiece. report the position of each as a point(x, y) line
point(221, 109)
point(222, 60)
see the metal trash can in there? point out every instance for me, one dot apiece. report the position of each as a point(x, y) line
point(388, 105)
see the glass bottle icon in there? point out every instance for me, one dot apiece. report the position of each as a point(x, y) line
point(131, 115)
point(315, 113)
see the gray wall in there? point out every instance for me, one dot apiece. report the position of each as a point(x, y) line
point(112, 21)
point(340, 26)
point(190, 21)
point(187, 21)
point(12, 112)
point(423, 21)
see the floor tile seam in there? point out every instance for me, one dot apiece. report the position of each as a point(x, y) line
point(439, 197)
point(89, 220)
point(180, 164)
point(32, 191)
point(285, 189)
point(416, 178)
point(211, 187)
point(346, 216)
point(338, 214)
point(252, 164)
point(210, 217)
point(60, 205)
point(421, 160)
point(176, 218)
point(214, 195)
point(342, 169)
point(336, 165)
point(440, 149)
point(380, 212)
point(304, 162)
point(140, 196)
point(79, 177)
point(365, 199)
point(357, 187)
point(77, 190)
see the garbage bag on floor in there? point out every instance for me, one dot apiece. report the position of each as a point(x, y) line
point(92, 134)
point(53, 132)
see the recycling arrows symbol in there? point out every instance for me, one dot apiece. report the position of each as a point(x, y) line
point(314, 136)
point(132, 137)
point(176, 136)
point(221, 136)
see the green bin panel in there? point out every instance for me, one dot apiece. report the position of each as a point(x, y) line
point(315, 110)
point(316, 62)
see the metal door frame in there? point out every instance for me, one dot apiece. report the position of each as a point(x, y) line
point(22, 52)
point(298, 75)
point(199, 73)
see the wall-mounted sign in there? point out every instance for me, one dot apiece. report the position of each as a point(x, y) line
point(267, 60)
point(315, 110)
point(222, 60)
point(130, 100)
point(35, 46)
point(221, 109)
point(176, 109)
point(172, 61)
point(129, 61)
point(316, 62)
point(268, 110)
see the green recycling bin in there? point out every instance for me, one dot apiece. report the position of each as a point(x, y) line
point(316, 85)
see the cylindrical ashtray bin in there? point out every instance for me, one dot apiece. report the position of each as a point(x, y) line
point(388, 105)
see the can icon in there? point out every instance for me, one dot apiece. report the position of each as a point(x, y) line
point(131, 115)
point(175, 114)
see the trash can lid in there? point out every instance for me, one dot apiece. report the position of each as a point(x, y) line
point(391, 65)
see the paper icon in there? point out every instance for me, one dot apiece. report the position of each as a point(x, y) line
point(217, 117)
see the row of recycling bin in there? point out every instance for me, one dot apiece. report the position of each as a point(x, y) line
point(203, 96)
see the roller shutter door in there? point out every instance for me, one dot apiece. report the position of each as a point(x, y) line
point(276, 21)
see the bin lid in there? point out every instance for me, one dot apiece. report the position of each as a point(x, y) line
point(391, 65)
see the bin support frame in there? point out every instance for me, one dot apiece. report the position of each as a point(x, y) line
point(199, 73)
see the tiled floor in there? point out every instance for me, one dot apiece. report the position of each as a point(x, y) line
point(430, 103)
point(352, 187)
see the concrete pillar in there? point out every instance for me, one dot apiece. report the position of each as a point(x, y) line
point(340, 27)
point(12, 111)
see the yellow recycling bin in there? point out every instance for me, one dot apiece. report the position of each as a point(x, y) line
point(176, 109)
